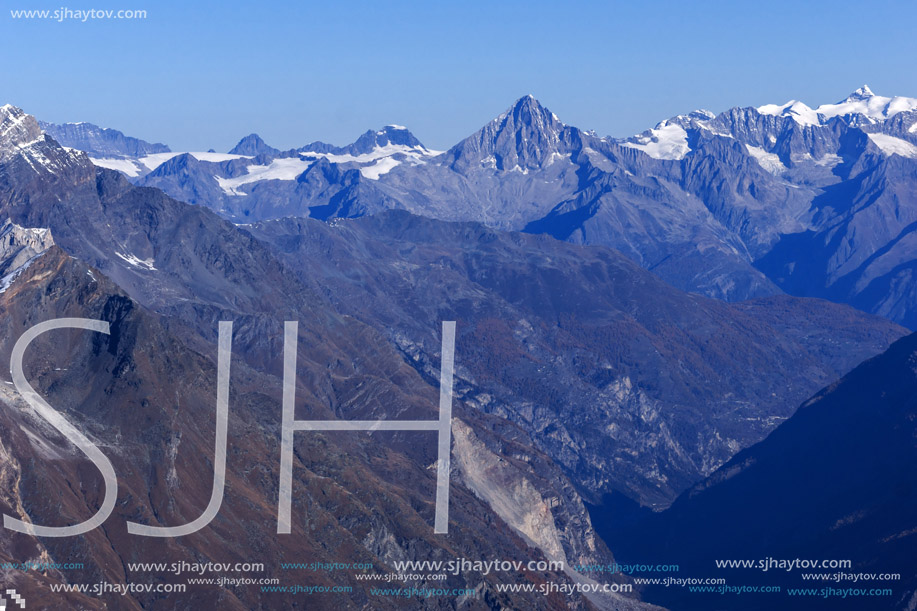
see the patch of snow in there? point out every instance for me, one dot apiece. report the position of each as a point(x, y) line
point(217, 157)
point(381, 160)
point(829, 160)
point(383, 166)
point(794, 109)
point(157, 159)
point(666, 141)
point(135, 261)
point(16, 119)
point(863, 101)
point(39, 232)
point(287, 168)
point(416, 154)
point(705, 125)
point(894, 146)
point(768, 161)
point(125, 166)
point(8, 279)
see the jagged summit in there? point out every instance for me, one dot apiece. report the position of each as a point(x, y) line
point(17, 130)
point(252, 145)
point(862, 93)
point(526, 136)
point(861, 103)
point(527, 110)
point(101, 142)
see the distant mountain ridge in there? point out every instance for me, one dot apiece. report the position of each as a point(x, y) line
point(101, 141)
point(745, 203)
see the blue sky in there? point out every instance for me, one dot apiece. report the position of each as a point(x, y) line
point(197, 75)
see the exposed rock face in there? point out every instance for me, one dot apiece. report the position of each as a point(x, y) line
point(253, 145)
point(17, 130)
point(625, 382)
point(101, 142)
point(20, 245)
point(526, 137)
point(163, 273)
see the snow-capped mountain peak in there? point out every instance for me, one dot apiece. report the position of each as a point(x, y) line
point(862, 102)
point(17, 130)
point(22, 139)
point(390, 135)
point(668, 140)
point(862, 93)
point(793, 109)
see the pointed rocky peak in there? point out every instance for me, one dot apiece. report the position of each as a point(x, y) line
point(24, 145)
point(252, 145)
point(17, 131)
point(528, 113)
point(527, 136)
point(863, 93)
point(864, 106)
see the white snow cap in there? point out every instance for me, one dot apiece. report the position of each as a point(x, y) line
point(794, 109)
point(862, 101)
point(861, 93)
point(666, 141)
point(18, 131)
point(894, 146)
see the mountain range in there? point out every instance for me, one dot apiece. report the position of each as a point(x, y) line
point(745, 203)
point(635, 317)
point(84, 242)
